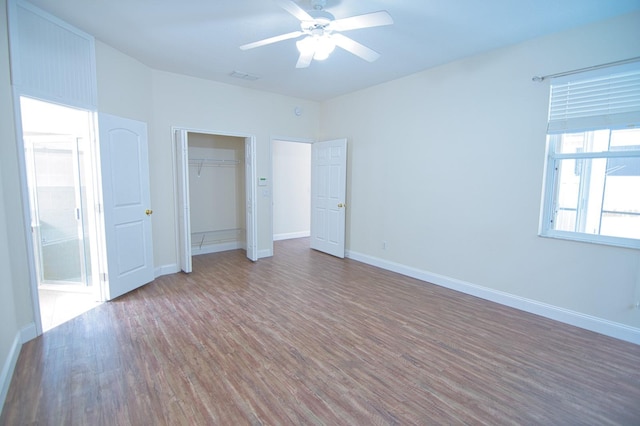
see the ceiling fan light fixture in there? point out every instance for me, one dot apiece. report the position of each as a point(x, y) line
point(321, 32)
point(324, 47)
point(320, 47)
point(306, 46)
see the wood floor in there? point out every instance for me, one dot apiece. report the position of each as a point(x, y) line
point(304, 338)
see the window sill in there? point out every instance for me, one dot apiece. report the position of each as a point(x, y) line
point(593, 239)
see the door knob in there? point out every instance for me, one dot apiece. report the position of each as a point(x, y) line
point(340, 205)
point(148, 212)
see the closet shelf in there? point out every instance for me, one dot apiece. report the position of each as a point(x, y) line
point(211, 162)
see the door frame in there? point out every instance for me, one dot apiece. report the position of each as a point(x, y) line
point(311, 142)
point(99, 289)
point(271, 140)
point(251, 233)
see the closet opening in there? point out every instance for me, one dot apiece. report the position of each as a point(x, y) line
point(216, 193)
point(216, 182)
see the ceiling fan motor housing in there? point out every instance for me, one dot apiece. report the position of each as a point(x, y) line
point(318, 4)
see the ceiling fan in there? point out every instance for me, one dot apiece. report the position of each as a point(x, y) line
point(321, 32)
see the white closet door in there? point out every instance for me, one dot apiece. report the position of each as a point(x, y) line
point(184, 221)
point(250, 179)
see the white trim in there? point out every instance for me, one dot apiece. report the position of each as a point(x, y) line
point(249, 139)
point(8, 368)
point(271, 140)
point(251, 198)
point(291, 139)
point(583, 237)
point(588, 322)
point(28, 333)
point(166, 270)
point(265, 253)
point(26, 212)
point(217, 248)
point(291, 235)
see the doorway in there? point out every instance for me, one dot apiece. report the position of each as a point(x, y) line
point(327, 195)
point(291, 171)
point(216, 196)
point(59, 163)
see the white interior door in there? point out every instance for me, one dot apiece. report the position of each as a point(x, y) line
point(328, 195)
point(127, 214)
point(251, 195)
point(184, 216)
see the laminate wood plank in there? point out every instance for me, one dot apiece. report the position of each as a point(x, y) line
point(305, 338)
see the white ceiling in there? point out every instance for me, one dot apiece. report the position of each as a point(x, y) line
point(201, 38)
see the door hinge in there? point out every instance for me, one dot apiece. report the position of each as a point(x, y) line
point(104, 277)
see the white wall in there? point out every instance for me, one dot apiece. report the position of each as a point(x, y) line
point(16, 311)
point(291, 170)
point(130, 89)
point(446, 166)
point(217, 192)
point(124, 85)
point(222, 109)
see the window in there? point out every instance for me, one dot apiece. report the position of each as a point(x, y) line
point(592, 190)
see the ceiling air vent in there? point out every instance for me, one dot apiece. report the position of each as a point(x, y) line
point(244, 76)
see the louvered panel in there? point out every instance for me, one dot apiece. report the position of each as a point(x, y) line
point(50, 59)
point(584, 102)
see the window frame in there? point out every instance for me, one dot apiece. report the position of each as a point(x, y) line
point(551, 189)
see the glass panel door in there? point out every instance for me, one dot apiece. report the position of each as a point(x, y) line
point(57, 202)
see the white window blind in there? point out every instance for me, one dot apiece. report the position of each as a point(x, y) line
point(609, 98)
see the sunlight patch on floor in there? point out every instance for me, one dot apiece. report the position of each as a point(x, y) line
point(57, 307)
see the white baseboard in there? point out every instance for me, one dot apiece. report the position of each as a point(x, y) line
point(166, 270)
point(28, 333)
point(8, 368)
point(291, 235)
point(216, 248)
point(588, 322)
point(265, 253)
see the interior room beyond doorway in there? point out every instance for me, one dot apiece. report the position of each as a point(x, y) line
point(291, 165)
point(61, 178)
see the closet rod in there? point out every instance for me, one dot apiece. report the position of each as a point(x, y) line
point(214, 160)
point(540, 79)
point(217, 231)
point(200, 162)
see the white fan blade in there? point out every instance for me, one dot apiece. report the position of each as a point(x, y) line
point(375, 19)
point(271, 40)
point(305, 59)
point(354, 47)
point(294, 9)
